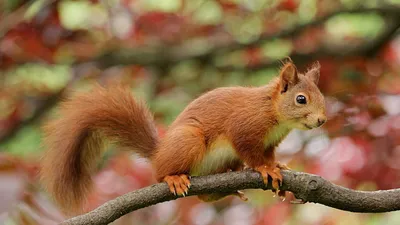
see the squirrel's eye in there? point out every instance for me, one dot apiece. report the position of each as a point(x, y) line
point(301, 99)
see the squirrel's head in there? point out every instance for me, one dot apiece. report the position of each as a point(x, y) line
point(301, 104)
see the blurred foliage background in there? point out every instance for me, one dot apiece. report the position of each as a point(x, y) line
point(171, 51)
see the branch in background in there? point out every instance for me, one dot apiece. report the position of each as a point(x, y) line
point(369, 50)
point(384, 11)
point(171, 55)
point(42, 107)
point(47, 104)
point(391, 31)
point(307, 187)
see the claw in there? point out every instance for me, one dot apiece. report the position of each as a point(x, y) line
point(273, 172)
point(178, 184)
point(297, 201)
point(241, 195)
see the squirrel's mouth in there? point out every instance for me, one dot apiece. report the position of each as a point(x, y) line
point(308, 127)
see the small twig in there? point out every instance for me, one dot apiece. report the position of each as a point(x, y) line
point(17, 16)
point(306, 187)
point(13, 18)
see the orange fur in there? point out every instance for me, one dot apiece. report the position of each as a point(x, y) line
point(74, 141)
point(251, 121)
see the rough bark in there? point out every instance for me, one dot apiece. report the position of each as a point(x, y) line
point(307, 187)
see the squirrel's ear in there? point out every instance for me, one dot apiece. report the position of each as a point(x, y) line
point(313, 73)
point(288, 76)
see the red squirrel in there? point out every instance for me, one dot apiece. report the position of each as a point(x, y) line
point(221, 130)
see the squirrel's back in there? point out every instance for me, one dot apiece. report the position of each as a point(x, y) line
point(228, 104)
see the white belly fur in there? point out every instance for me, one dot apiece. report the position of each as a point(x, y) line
point(276, 134)
point(219, 153)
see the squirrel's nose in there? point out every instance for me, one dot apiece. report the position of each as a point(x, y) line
point(321, 120)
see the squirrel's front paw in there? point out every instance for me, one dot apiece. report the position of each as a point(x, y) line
point(178, 184)
point(274, 172)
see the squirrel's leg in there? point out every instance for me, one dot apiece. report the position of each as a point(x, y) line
point(273, 169)
point(261, 159)
point(218, 196)
point(281, 166)
point(176, 154)
point(270, 168)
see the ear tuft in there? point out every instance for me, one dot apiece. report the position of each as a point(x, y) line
point(288, 76)
point(314, 73)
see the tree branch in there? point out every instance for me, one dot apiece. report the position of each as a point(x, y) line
point(307, 187)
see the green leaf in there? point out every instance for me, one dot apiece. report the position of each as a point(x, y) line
point(34, 9)
point(367, 25)
point(26, 142)
point(209, 13)
point(74, 14)
point(164, 5)
point(277, 49)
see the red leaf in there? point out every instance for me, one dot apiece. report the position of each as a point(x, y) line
point(289, 5)
point(253, 56)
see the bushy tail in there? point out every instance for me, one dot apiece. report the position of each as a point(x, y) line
point(74, 142)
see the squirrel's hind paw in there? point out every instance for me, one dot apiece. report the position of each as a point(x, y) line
point(178, 184)
point(273, 172)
